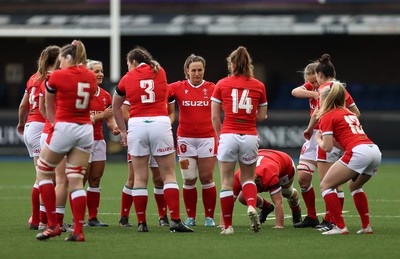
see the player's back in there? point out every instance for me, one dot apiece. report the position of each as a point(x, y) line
point(75, 87)
point(33, 90)
point(146, 91)
point(240, 98)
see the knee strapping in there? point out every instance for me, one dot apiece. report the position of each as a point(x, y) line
point(45, 167)
point(188, 167)
point(75, 171)
point(306, 167)
point(288, 192)
point(292, 196)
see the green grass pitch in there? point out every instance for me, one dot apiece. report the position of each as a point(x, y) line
point(16, 241)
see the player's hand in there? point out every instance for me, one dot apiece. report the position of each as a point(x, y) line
point(116, 131)
point(20, 128)
point(107, 113)
point(124, 139)
point(307, 134)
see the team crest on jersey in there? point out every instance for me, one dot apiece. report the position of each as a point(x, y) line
point(205, 91)
point(183, 148)
point(105, 101)
point(186, 91)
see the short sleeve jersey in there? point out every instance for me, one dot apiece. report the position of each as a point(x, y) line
point(271, 165)
point(74, 87)
point(47, 124)
point(100, 101)
point(345, 128)
point(349, 100)
point(313, 103)
point(33, 90)
point(194, 104)
point(146, 91)
point(240, 98)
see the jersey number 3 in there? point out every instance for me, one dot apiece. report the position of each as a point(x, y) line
point(148, 86)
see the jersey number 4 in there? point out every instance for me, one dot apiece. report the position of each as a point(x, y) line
point(32, 100)
point(243, 103)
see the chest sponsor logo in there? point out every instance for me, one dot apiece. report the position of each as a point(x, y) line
point(195, 103)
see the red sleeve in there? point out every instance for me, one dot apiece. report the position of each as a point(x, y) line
point(263, 99)
point(217, 93)
point(308, 86)
point(326, 124)
point(349, 100)
point(121, 86)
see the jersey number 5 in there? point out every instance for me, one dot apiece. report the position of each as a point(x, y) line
point(82, 103)
point(243, 103)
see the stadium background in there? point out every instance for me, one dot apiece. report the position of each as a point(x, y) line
point(362, 36)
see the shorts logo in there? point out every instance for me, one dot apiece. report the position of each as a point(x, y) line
point(183, 148)
point(249, 158)
point(165, 149)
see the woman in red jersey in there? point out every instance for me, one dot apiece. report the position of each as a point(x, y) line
point(68, 95)
point(325, 74)
point(339, 126)
point(61, 180)
point(100, 109)
point(244, 101)
point(274, 174)
point(127, 190)
point(31, 121)
point(149, 132)
point(308, 156)
point(196, 139)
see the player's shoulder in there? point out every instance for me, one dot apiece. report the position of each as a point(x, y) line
point(104, 92)
point(177, 84)
point(208, 83)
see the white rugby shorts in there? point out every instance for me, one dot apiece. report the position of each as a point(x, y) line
point(238, 147)
point(32, 134)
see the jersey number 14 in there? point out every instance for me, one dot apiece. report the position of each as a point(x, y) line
point(243, 103)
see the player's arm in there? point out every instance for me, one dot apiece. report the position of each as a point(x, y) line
point(117, 102)
point(311, 124)
point(50, 106)
point(112, 125)
point(42, 106)
point(23, 113)
point(354, 109)
point(106, 114)
point(279, 212)
point(171, 112)
point(216, 117)
point(261, 114)
point(303, 93)
point(125, 112)
point(325, 142)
